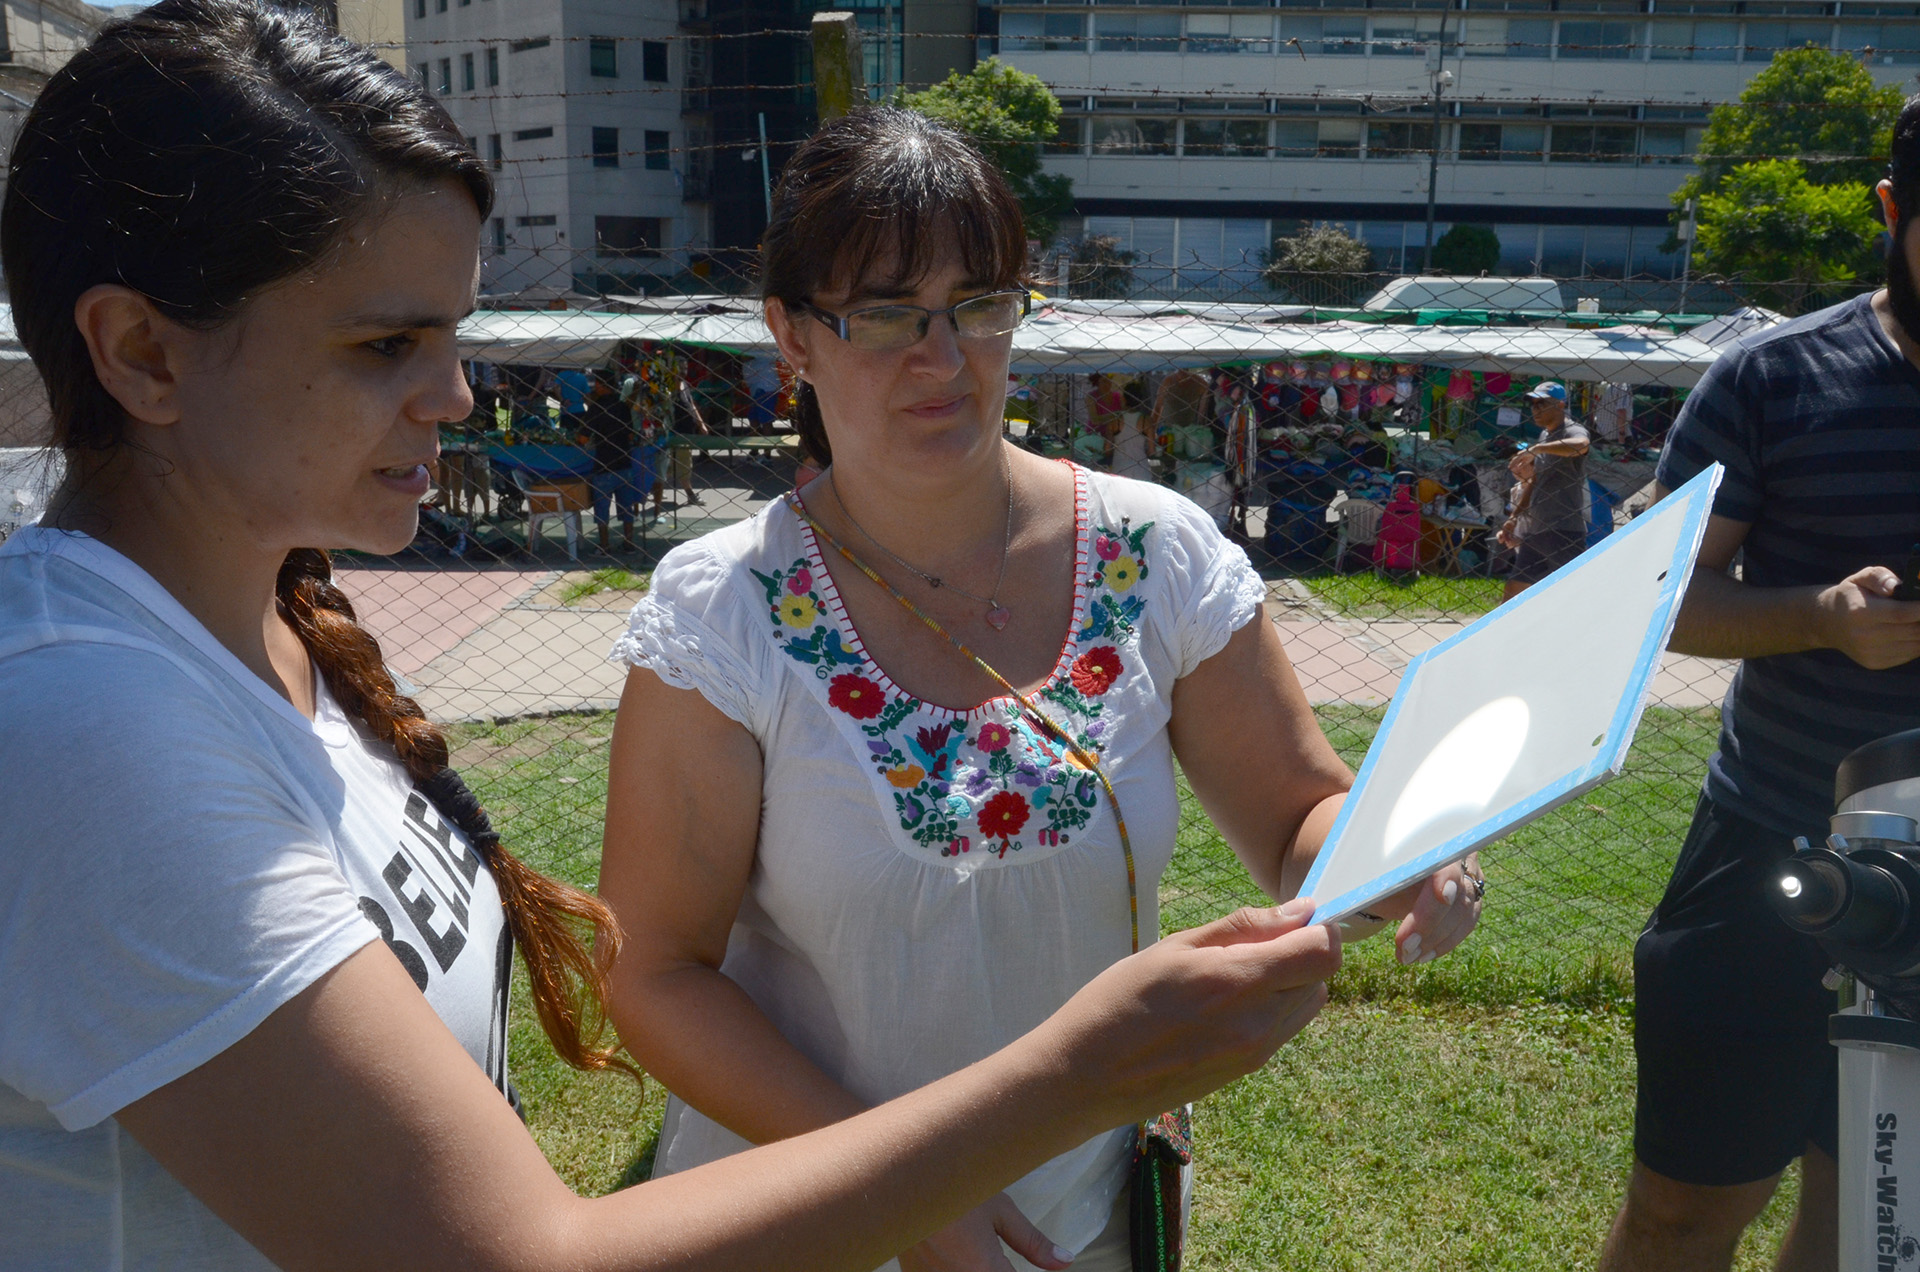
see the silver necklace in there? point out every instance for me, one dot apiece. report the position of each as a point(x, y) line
point(998, 615)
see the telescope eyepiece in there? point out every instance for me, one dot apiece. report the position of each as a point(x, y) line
point(1858, 901)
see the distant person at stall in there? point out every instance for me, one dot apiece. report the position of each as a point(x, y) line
point(1548, 525)
point(647, 409)
point(1817, 422)
point(686, 421)
point(763, 392)
point(571, 385)
point(621, 476)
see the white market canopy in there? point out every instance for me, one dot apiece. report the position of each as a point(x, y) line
point(1058, 340)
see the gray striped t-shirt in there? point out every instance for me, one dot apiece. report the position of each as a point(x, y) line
point(1818, 424)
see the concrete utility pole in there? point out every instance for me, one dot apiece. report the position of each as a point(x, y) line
point(839, 76)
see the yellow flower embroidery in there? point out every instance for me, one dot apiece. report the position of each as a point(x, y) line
point(1121, 573)
point(799, 611)
point(906, 777)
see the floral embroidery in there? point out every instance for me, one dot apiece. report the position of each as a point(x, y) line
point(1001, 781)
point(857, 696)
point(799, 611)
point(794, 603)
point(1123, 563)
point(1003, 816)
point(1120, 573)
point(1095, 671)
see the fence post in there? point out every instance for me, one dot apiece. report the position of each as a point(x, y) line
point(839, 80)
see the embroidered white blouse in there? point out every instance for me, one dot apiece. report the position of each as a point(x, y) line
point(931, 884)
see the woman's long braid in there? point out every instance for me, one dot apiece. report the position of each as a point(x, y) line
point(551, 921)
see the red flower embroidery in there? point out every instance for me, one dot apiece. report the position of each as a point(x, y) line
point(856, 695)
point(1095, 671)
point(1003, 815)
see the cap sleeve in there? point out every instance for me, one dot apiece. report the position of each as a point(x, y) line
point(692, 631)
point(1216, 591)
point(164, 895)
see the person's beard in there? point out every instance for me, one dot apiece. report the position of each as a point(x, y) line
point(1903, 294)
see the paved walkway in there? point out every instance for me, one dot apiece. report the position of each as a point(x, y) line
point(481, 644)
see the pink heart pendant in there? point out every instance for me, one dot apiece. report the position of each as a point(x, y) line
point(999, 616)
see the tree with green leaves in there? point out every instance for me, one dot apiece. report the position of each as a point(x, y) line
point(1795, 245)
point(1467, 249)
point(1819, 107)
point(1100, 268)
point(1810, 136)
point(1010, 115)
point(1320, 265)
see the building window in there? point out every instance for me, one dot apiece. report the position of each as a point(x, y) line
point(1225, 138)
point(446, 75)
point(658, 147)
point(493, 67)
point(603, 59)
point(1071, 138)
point(1139, 32)
point(533, 134)
point(523, 46)
point(1044, 32)
point(534, 222)
point(1599, 41)
point(466, 72)
point(1131, 135)
point(499, 233)
point(653, 61)
point(606, 147)
point(1227, 33)
point(439, 6)
point(1587, 143)
point(1334, 36)
point(1510, 143)
point(627, 235)
point(495, 155)
point(1393, 139)
point(419, 8)
point(426, 76)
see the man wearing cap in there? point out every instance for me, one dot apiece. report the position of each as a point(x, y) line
point(1548, 527)
point(1818, 424)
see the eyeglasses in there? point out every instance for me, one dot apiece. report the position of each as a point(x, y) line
point(886, 327)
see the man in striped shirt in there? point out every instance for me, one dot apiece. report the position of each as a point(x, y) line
point(1818, 425)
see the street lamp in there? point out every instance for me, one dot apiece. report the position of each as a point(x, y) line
point(1442, 79)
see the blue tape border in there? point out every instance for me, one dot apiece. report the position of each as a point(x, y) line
point(1697, 494)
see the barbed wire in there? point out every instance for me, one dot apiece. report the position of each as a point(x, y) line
point(1280, 45)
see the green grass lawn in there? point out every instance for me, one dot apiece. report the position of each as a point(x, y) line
point(1370, 595)
point(1471, 1113)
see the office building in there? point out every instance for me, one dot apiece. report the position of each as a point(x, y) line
point(1195, 134)
point(577, 106)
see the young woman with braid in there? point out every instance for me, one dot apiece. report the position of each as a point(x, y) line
point(254, 934)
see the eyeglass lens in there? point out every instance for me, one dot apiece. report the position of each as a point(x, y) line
point(897, 326)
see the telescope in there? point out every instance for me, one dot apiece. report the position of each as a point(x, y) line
point(1859, 897)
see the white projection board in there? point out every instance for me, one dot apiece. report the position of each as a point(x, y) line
point(1528, 708)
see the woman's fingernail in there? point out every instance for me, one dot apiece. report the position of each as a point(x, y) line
point(1063, 1256)
point(1410, 949)
point(1429, 956)
point(1449, 892)
point(1296, 908)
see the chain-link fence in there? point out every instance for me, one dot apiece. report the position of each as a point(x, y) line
point(1362, 453)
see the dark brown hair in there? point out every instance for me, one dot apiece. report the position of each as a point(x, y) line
point(885, 189)
point(198, 152)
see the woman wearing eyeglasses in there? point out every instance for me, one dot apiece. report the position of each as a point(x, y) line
point(900, 774)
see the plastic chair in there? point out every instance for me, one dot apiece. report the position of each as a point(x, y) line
point(547, 500)
point(1359, 526)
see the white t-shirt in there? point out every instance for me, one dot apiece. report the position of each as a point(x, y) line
point(181, 852)
point(932, 884)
